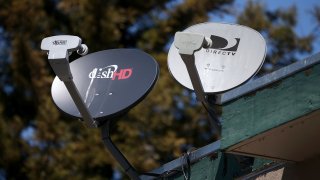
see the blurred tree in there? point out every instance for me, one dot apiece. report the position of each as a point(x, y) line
point(315, 12)
point(37, 142)
point(284, 44)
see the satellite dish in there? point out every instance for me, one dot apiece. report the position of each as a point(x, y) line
point(110, 82)
point(99, 86)
point(235, 54)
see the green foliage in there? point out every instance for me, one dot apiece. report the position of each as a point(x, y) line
point(315, 12)
point(61, 148)
point(277, 26)
point(165, 124)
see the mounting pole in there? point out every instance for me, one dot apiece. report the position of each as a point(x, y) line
point(129, 170)
point(188, 44)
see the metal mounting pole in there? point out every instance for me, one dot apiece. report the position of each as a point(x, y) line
point(129, 170)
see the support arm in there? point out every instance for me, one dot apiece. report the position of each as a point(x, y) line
point(188, 44)
point(59, 48)
point(129, 170)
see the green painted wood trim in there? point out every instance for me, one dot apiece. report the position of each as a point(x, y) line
point(268, 79)
point(224, 167)
point(205, 169)
point(256, 107)
point(229, 167)
point(276, 104)
point(260, 163)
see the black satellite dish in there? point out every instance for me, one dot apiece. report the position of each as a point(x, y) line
point(100, 86)
point(110, 82)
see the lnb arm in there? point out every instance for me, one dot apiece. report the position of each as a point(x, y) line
point(59, 49)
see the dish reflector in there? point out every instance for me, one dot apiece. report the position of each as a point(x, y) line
point(110, 82)
point(236, 54)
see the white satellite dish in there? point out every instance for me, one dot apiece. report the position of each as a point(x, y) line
point(236, 54)
point(215, 57)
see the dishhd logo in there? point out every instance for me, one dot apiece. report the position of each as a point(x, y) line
point(110, 72)
point(59, 42)
point(223, 45)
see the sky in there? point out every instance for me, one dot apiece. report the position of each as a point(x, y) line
point(305, 20)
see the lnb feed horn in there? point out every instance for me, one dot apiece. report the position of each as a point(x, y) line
point(59, 49)
point(188, 43)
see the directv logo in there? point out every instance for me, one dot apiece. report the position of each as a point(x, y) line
point(110, 72)
point(223, 46)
